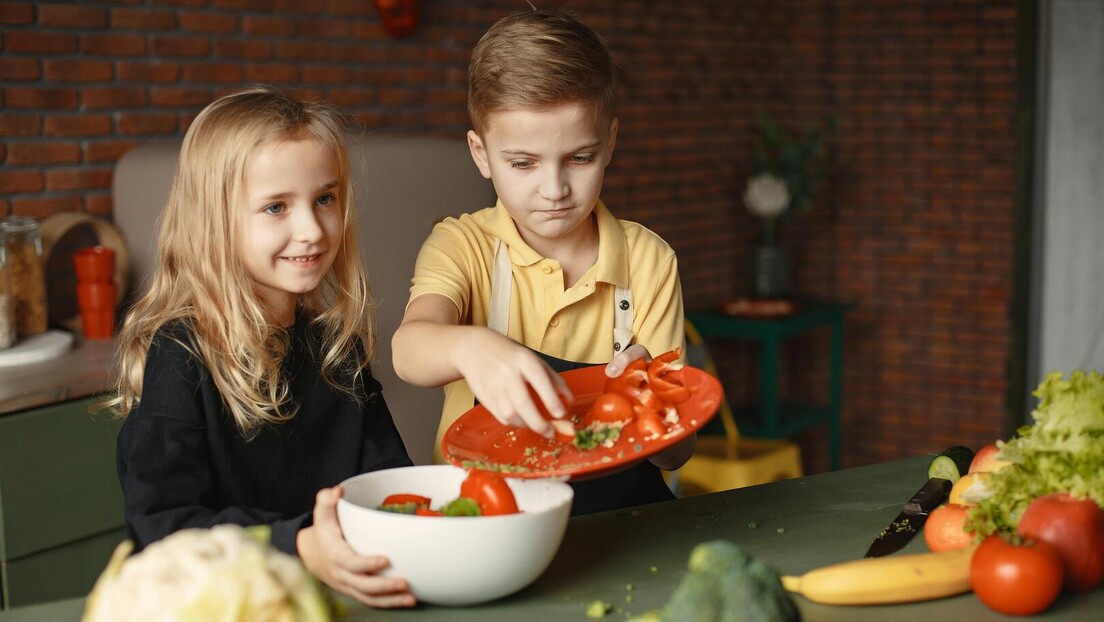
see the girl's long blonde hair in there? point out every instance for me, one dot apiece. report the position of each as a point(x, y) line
point(200, 281)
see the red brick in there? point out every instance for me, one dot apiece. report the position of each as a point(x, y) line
point(323, 29)
point(248, 5)
point(148, 71)
point(43, 153)
point(298, 6)
point(133, 123)
point(78, 178)
point(300, 50)
point(32, 41)
point(12, 182)
point(352, 97)
point(143, 19)
point(41, 98)
point(19, 69)
point(266, 26)
point(16, 12)
point(41, 208)
point(106, 150)
point(204, 21)
point(219, 73)
point(185, 3)
point(77, 125)
point(272, 74)
point(98, 203)
point(77, 70)
point(180, 46)
point(113, 97)
point(313, 74)
point(19, 124)
point(176, 97)
point(113, 44)
point(71, 16)
point(254, 49)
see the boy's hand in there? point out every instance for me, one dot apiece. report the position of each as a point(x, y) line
point(329, 557)
point(500, 373)
point(617, 366)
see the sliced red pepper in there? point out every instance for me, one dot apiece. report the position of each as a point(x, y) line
point(403, 498)
point(490, 491)
point(665, 378)
point(427, 512)
point(649, 422)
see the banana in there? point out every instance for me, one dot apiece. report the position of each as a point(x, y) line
point(885, 580)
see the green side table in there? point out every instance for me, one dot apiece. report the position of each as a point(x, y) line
point(777, 418)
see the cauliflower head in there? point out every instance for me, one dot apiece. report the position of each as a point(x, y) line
point(222, 574)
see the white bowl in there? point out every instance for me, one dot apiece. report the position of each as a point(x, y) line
point(455, 560)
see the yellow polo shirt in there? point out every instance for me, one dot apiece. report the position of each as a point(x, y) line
point(575, 324)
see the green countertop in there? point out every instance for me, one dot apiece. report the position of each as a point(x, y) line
point(796, 525)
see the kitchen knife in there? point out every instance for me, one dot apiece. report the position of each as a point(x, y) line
point(911, 520)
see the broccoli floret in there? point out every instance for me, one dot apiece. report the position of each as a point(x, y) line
point(726, 584)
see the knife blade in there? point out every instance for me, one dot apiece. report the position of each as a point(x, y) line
point(911, 519)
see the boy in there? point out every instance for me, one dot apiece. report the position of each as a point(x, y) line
point(546, 280)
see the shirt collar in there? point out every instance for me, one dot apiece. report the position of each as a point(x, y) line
point(613, 249)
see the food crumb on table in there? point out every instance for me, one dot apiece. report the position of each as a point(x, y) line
point(598, 609)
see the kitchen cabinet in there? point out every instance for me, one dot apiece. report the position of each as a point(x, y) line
point(61, 509)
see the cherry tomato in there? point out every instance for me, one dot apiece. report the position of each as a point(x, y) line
point(427, 512)
point(403, 498)
point(1017, 578)
point(490, 491)
point(649, 422)
point(610, 408)
point(665, 378)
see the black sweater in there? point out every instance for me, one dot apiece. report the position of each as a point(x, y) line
point(183, 463)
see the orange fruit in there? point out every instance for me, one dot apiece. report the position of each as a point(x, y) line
point(945, 528)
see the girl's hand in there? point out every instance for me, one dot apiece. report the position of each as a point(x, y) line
point(329, 557)
point(501, 371)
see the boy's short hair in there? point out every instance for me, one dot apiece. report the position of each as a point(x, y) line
point(537, 59)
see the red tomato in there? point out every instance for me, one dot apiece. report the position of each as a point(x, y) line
point(986, 461)
point(610, 408)
point(649, 422)
point(945, 528)
point(1076, 527)
point(403, 498)
point(490, 491)
point(1017, 579)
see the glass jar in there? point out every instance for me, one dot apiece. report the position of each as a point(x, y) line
point(26, 273)
point(7, 320)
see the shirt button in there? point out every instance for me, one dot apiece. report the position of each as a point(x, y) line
point(546, 269)
point(555, 321)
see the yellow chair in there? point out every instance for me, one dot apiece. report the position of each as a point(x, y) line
point(731, 461)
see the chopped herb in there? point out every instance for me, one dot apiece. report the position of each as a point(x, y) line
point(780, 530)
point(753, 525)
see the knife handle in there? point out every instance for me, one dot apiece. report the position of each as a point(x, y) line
point(927, 498)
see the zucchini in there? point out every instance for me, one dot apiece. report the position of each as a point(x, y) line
point(952, 463)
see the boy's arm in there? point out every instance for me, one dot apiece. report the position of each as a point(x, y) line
point(431, 348)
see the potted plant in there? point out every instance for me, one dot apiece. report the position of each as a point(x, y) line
point(785, 171)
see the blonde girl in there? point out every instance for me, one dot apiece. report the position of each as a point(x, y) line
point(243, 368)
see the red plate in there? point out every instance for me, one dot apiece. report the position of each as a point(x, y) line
point(478, 439)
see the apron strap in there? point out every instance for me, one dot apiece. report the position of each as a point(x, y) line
point(502, 280)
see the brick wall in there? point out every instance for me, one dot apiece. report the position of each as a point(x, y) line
point(914, 223)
